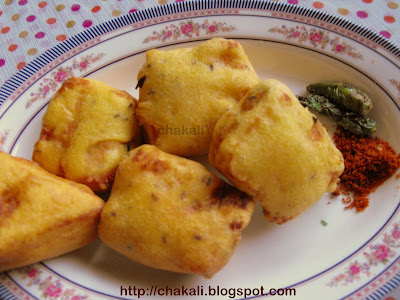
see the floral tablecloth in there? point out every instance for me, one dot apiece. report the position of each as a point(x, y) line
point(29, 27)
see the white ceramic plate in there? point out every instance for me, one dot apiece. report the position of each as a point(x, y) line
point(355, 256)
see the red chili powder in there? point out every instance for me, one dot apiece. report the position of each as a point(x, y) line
point(368, 161)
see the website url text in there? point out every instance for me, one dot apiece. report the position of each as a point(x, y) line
point(205, 291)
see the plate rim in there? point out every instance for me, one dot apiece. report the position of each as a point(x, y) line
point(50, 55)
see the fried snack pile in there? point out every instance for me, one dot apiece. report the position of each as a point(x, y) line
point(42, 215)
point(171, 213)
point(165, 211)
point(183, 92)
point(274, 149)
point(86, 131)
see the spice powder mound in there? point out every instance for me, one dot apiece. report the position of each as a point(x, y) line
point(368, 161)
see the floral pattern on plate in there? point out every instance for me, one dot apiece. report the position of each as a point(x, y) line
point(396, 83)
point(189, 29)
point(50, 85)
point(317, 38)
point(3, 139)
point(377, 254)
point(50, 287)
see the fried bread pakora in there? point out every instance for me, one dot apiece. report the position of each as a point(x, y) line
point(183, 92)
point(86, 130)
point(42, 215)
point(272, 148)
point(171, 213)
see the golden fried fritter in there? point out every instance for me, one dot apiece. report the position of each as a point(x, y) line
point(42, 215)
point(86, 131)
point(274, 149)
point(183, 92)
point(171, 213)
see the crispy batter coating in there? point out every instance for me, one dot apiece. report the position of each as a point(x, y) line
point(276, 151)
point(42, 215)
point(86, 131)
point(183, 92)
point(171, 213)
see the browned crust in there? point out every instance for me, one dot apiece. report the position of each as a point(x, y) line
point(99, 183)
point(60, 244)
point(277, 219)
point(228, 195)
point(9, 202)
point(150, 162)
point(317, 131)
point(251, 101)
